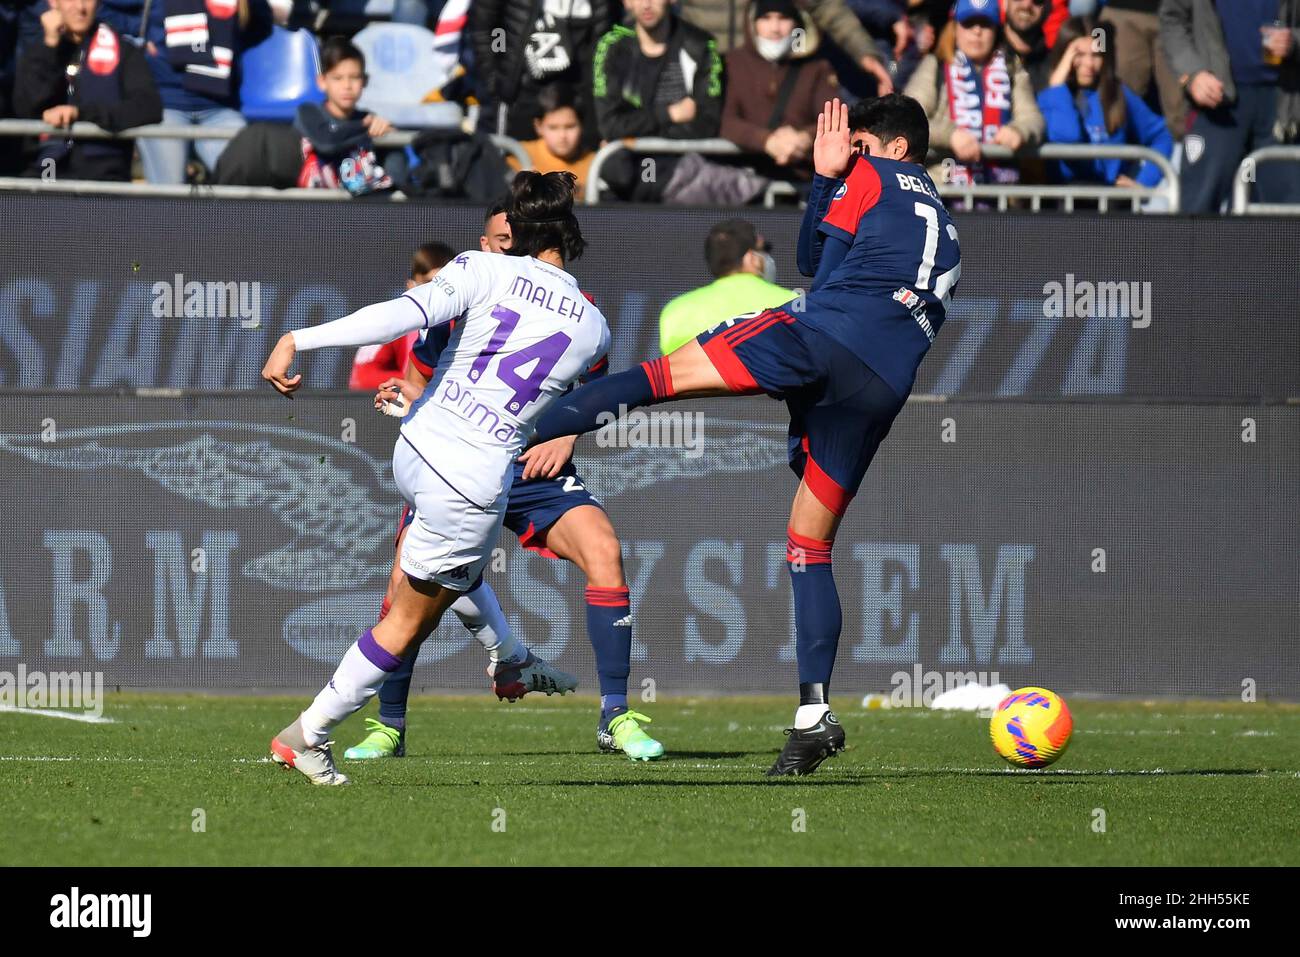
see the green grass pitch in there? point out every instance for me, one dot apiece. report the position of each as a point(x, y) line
point(1179, 783)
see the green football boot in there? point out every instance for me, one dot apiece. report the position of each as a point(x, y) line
point(381, 742)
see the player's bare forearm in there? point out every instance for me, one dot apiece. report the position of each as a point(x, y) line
point(276, 369)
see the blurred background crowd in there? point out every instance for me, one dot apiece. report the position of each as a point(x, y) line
point(307, 92)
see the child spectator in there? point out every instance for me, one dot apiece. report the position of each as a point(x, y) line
point(374, 365)
point(337, 147)
point(82, 70)
point(521, 46)
point(776, 86)
point(1087, 103)
point(975, 92)
point(559, 143)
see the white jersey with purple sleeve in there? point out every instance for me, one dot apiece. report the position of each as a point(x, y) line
point(524, 333)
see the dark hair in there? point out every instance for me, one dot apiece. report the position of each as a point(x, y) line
point(1109, 88)
point(430, 256)
point(336, 50)
point(496, 209)
point(726, 245)
point(556, 96)
point(892, 116)
point(540, 214)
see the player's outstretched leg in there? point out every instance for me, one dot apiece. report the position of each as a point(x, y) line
point(585, 536)
point(816, 734)
point(304, 745)
point(686, 373)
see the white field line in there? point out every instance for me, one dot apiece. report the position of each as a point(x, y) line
point(52, 713)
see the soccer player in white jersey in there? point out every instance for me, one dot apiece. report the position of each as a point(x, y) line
point(527, 334)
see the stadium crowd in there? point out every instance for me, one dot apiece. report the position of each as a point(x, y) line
point(1203, 81)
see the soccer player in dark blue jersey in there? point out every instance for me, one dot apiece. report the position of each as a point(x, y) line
point(885, 259)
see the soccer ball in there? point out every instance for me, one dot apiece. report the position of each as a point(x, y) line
point(1031, 727)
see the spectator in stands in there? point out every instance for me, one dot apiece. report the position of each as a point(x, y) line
point(726, 21)
point(663, 77)
point(899, 41)
point(338, 150)
point(978, 94)
point(1237, 63)
point(329, 145)
point(522, 45)
point(374, 365)
point(1024, 35)
point(20, 27)
point(558, 141)
point(1087, 103)
point(193, 49)
point(746, 282)
point(83, 70)
point(1140, 63)
point(776, 86)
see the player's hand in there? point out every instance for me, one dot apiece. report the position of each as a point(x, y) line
point(390, 389)
point(60, 115)
point(1010, 138)
point(276, 370)
point(52, 25)
point(683, 111)
point(376, 125)
point(884, 82)
point(1128, 182)
point(965, 147)
point(546, 459)
point(832, 152)
point(1205, 89)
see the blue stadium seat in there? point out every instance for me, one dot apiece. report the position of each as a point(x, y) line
point(402, 70)
point(278, 74)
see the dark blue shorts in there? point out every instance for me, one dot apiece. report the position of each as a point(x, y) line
point(534, 506)
point(840, 410)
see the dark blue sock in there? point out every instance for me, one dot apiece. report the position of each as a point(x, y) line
point(395, 691)
point(609, 625)
point(595, 404)
point(817, 619)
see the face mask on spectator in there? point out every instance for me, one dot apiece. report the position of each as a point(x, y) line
point(769, 267)
point(774, 50)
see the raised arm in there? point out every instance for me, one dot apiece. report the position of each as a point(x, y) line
point(456, 287)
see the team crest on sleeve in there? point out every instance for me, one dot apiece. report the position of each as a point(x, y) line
point(839, 193)
point(103, 56)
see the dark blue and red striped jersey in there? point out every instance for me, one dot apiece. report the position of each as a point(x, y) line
point(888, 296)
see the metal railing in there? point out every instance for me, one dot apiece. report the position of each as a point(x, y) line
point(1002, 194)
point(1245, 178)
point(89, 131)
